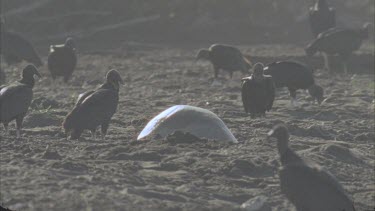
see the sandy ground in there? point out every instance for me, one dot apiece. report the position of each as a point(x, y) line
point(44, 171)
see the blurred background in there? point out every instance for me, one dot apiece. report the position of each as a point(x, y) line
point(110, 23)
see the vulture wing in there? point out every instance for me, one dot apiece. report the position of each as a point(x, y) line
point(247, 92)
point(62, 60)
point(15, 44)
point(92, 109)
point(83, 96)
point(14, 100)
point(270, 86)
point(311, 188)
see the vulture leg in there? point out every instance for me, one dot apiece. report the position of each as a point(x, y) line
point(75, 134)
point(345, 68)
point(6, 131)
point(326, 63)
point(244, 97)
point(216, 71)
point(104, 130)
point(293, 97)
point(19, 121)
point(313, 100)
point(344, 60)
point(93, 134)
point(66, 78)
point(53, 78)
point(54, 83)
point(231, 74)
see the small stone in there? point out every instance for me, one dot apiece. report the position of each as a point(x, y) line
point(258, 203)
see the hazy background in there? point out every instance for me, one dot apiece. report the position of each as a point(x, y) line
point(110, 23)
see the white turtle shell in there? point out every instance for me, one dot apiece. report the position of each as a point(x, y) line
point(199, 122)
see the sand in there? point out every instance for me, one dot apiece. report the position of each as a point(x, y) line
point(44, 171)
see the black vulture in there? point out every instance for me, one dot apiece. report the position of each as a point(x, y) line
point(258, 92)
point(294, 76)
point(321, 17)
point(62, 59)
point(2, 76)
point(16, 98)
point(336, 41)
point(4, 208)
point(94, 108)
point(308, 186)
point(15, 48)
point(225, 57)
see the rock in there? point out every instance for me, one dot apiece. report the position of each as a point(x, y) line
point(258, 203)
point(51, 155)
point(341, 153)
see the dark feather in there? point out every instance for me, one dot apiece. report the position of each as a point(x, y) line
point(2, 77)
point(257, 96)
point(62, 61)
point(313, 188)
point(94, 108)
point(294, 76)
point(321, 17)
point(338, 41)
point(306, 185)
point(16, 98)
point(228, 58)
point(16, 48)
point(290, 74)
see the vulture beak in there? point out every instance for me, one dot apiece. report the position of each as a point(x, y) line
point(270, 134)
point(38, 74)
point(113, 77)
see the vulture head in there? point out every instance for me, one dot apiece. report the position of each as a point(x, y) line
point(70, 43)
point(203, 54)
point(258, 71)
point(113, 77)
point(29, 71)
point(281, 134)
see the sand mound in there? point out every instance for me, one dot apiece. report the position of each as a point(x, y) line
point(340, 153)
point(42, 120)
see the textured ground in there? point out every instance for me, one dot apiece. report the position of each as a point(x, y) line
point(44, 171)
